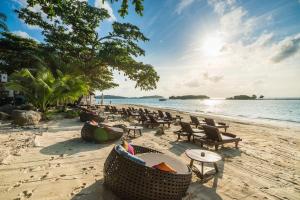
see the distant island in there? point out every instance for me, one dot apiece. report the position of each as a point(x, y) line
point(245, 97)
point(151, 97)
point(184, 97)
point(122, 97)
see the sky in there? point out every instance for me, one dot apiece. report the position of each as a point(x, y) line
point(218, 48)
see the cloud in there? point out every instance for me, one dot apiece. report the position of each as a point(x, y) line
point(192, 83)
point(23, 35)
point(106, 6)
point(221, 6)
point(286, 48)
point(214, 79)
point(182, 5)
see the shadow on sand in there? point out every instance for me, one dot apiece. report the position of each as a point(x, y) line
point(179, 147)
point(73, 146)
point(202, 192)
point(196, 191)
point(96, 191)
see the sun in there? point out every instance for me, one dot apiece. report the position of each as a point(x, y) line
point(212, 45)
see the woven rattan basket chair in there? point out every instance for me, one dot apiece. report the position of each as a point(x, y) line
point(97, 134)
point(132, 181)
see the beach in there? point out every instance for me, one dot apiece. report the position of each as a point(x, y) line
point(53, 162)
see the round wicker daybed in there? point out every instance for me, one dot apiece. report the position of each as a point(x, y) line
point(89, 116)
point(98, 134)
point(133, 181)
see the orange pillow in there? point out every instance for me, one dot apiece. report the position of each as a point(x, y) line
point(164, 167)
point(93, 123)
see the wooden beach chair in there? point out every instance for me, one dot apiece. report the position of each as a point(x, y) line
point(211, 122)
point(157, 122)
point(216, 138)
point(187, 130)
point(196, 122)
point(161, 115)
point(133, 114)
point(171, 118)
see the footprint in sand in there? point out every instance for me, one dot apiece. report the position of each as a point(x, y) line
point(25, 194)
point(18, 184)
point(77, 189)
point(44, 176)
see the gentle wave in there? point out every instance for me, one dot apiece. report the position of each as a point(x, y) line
point(275, 119)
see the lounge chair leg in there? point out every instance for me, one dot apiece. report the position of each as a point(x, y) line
point(216, 147)
point(216, 167)
point(236, 144)
point(178, 138)
point(225, 129)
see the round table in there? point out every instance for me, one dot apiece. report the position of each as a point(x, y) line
point(134, 129)
point(203, 156)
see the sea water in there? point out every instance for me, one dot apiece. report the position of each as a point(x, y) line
point(262, 110)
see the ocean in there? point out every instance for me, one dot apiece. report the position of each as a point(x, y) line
point(255, 110)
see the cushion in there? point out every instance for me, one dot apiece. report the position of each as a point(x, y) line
point(124, 153)
point(94, 123)
point(164, 167)
point(128, 147)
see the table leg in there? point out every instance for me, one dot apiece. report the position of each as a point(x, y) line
point(134, 133)
point(191, 163)
point(202, 168)
point(216, 167)
point(128, 132)
point(140, 132)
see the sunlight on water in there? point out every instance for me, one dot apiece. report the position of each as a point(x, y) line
point(274, 110)
point(212, 102)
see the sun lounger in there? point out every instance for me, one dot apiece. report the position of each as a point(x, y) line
point(211, 122)
point(187, 130)
point(216, 138)
point(161, 115)
point(157, 122)
point(196, 122)
point(171, 118)
point(143, 119)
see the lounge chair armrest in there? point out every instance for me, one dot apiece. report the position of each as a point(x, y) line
point(228, 134)
point(178, 131)
point(222, 123)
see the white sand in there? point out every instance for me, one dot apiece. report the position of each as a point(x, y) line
point(57, 164)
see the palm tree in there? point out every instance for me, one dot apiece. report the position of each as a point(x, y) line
point(43, 89)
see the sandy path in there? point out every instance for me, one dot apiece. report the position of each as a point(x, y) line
point(56, 164)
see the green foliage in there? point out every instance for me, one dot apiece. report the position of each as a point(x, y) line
point(71, 114)
point(18, 53)
point(42, 89)
point(3, 25)
point(71, 36)
point(48, 6)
